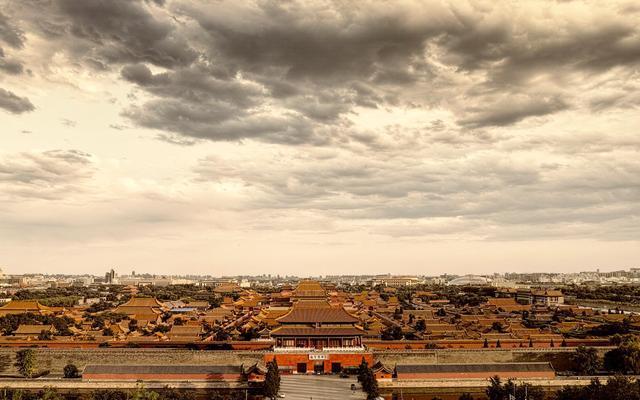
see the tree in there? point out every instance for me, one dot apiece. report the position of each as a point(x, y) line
point(162, 328)
point(370, 384)
point(393, 332)
point(50, 394)
point(495, 391)
point(45, 335)
point(421, 325)
point(625, 358)
point(465, 396)
point(362, 370)
point(109, 394)
point(272, 380)
point(497, 326)
point(614, 360)
point(617, 387)
point(26, 362)
point(169, 393)
point(586, 361)
point(140, 393)
point(71, 371)
point(498, 391)
point(250, 333)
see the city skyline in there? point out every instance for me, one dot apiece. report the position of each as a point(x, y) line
point(122, 272)
point(319, 138)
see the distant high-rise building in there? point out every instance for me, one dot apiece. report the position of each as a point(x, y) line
point(110, 276)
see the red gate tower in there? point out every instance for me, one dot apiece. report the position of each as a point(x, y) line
point(316, 337)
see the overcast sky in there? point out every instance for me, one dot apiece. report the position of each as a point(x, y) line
point(319, 137)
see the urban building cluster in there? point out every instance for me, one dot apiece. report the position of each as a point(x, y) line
point(325, 325)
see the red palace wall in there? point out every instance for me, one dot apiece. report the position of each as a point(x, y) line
point(477, 375)
point(478, 344)
point(291, 361)
point(383, 375)
point(172, 377)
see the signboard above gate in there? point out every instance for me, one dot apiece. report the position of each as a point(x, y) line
point(317, 356)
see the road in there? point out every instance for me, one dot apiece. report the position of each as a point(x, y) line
point(318, 387)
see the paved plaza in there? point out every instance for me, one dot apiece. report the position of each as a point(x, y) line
point(318, 387)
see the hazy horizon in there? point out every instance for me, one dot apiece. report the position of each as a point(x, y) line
point(127, 272)
point(229, 138)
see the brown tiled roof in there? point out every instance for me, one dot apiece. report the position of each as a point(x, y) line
point(138, 310)
point(312, 304)
point(228, 288)
point(185, 330)
point(141, 308)
point(23, 306)
point(309, 289)
point(142, 302)
point(547, 293)
point(322, 331)
point(198, 304)
point(33, 329)
point(313, 315)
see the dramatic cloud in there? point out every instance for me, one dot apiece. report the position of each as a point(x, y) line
point(120, 31)
point(418, 120)
point(9, 33)
point(512, 109)
point(9, 66)
point(14, 103)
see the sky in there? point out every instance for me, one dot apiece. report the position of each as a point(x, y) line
point(319, 137)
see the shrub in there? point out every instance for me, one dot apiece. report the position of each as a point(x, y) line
point(71, 371)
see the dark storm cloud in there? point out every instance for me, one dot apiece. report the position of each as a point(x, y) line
point(512, 53)
point(10, 66)
point(100, 33)
point(195, 84)
point(285, 66)
point(9, 33)
point(316, 62)
point(221, 121)
point(594, 48)
point(14, 103)
point(511, 110)
point(126, 31)
point(332, 44)
point(323, 66)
